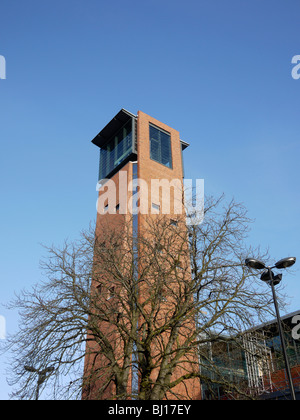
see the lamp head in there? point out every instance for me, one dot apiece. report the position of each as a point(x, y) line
point(285, 262)
point(253, 263)
point(267, 277)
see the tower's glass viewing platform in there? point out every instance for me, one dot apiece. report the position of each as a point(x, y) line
point(117, 142)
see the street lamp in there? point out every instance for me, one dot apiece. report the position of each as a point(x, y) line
point(42, 376)
point(269, 277)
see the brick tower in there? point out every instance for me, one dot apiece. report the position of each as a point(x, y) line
point(136, 148)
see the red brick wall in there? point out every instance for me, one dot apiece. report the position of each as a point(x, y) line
point(147, 170)
point(278, 379)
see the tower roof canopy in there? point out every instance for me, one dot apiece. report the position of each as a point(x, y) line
point(184, 144)
point(115, 124)
point(112, 127)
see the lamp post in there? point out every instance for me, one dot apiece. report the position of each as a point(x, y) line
point(42, 376)
point(269, 277)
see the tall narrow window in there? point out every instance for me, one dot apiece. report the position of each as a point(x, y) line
point(116, 150)
point(111, 293)
point(160, 146)
point(155, 208)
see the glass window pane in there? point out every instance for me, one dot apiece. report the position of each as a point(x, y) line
point(160, 147)
point(116, 150)
point(155, 150)
point(166, 150)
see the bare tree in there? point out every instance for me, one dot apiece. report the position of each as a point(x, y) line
point(128, 314)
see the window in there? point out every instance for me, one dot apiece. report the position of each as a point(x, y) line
point(178, 265)
point(155, 207)
point(111, 293)
point(160, 146)
point(114, 152)
point(161, 297)
point(158, 247)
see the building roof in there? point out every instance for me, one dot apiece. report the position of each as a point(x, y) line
point(122, 117)
point(274, 321)
point(112, 127)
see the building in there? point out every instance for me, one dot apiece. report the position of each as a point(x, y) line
point(254, 362)
point(135, 151)
point(276, 384)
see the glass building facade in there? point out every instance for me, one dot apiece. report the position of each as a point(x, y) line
point(253, 362)
point(119, 148)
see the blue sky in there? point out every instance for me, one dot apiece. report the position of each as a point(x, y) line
point(218, 71)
